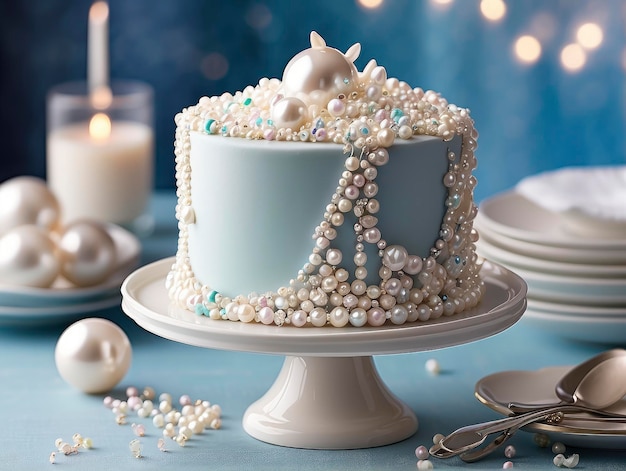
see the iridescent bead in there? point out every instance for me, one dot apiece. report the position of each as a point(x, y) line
point(358, 317)
point(395, 257)
point(376, 317)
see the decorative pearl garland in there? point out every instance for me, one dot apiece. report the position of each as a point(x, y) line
point(366, 122)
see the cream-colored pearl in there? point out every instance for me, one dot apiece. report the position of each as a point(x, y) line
point(88, 253)
point(27, 200)
point(93, 355)
point(27, 257)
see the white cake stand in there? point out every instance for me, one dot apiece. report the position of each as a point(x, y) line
point(328, 394)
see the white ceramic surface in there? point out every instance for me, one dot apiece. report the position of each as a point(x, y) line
point(591, 200)
point(329, 403)
point(512, 215)
point(589, 256)
point(606, 330)
point(145, 300)
point(44, 315)
point(515, 260)
point(576, 309)
point(597, 292)
point(62, 293)
point(537, 387)
point(333, 363)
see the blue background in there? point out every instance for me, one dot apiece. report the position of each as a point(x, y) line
point(530, 118)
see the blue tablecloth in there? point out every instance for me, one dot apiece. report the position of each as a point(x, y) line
point(37, 406)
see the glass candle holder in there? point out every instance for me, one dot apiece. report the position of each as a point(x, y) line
point(100, 150)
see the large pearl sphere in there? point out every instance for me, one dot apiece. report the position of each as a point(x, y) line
point(27, 257)
point(88, 253)
point(27, 200)
point(93, 355)
point(320, 74)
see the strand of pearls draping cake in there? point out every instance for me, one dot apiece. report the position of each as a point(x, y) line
point(366, 121)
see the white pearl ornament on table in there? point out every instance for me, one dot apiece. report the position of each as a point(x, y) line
point(35, 249)
point(27, 200)
point(93, 355)
point(87, 253)
point(28, 257)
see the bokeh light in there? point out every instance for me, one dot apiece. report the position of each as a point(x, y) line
point(493, 10)
point(573, 57)
point(589, 35)
point(214, 66)
point(527, 49)
point(370, 3)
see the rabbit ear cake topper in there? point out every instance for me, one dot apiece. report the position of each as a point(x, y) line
point(312, 78)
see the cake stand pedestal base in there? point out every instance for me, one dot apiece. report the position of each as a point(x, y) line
point(329, 403)
point(328, 394)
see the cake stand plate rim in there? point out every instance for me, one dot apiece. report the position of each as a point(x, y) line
point(145, 300)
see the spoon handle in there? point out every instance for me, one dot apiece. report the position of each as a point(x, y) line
point(518, 408)
point(469, 437)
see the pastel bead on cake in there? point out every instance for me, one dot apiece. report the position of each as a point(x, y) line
point(276, 226)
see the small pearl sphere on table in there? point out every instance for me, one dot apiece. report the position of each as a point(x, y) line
point(93, 355)
point(27, 257)
point(27, 200)
point(87, 253)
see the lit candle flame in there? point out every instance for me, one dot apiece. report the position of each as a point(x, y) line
point(100, 126)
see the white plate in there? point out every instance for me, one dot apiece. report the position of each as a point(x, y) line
point(606, 330)
point(62, 293)
point(514, 216)
point(549, 252)
point(146, 301)
point(547, 307)
point(594, 292)
point(36, 317)
point(490, 251)
point(537, 387)
point(591, 200)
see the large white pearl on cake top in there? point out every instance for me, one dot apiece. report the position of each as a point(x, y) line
point(27, 257)
point(321, 72)
point(87, 253)
point(27, 200)
point(93, 355)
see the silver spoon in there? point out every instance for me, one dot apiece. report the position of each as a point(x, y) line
point(589, 387)
point(594, 378)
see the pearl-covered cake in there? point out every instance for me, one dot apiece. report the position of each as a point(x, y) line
point(330, 197)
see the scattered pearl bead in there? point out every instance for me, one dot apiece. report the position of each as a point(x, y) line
point(421, 452)
point(437, 438)
point(52, 458)
point(138, 429)
point(558, 447)
point(541, 440)
point(432, 366)
point(570, 462)
point(507, 465)
point(135, 447)
point(424, 465)
point(510, 451)
point(161, 445)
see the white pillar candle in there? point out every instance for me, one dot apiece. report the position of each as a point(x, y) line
point(98, 46)
point(106, 178)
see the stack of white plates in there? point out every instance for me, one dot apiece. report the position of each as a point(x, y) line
point(573, 261)
point(25, 306)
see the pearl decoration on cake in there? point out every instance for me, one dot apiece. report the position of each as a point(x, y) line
point(365, 112)
point(93, 355)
